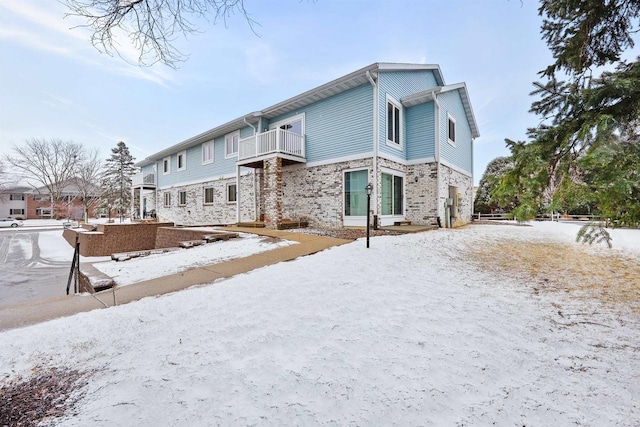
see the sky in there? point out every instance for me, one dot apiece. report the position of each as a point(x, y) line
point(55, 84)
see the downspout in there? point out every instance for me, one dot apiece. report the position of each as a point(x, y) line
point(255, 194)
point(473, 140)
point(376, 115)
point(436, 131)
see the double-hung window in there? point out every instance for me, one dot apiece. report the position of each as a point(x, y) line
point(167, 199)
point(207, 152)
point(16, 211)
point(16, 197)
point(394, 122)
point(231, 142)
point(182, 198)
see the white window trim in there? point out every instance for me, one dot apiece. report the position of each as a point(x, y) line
point(229, 184)
point(386, 220)
point(213, 155)
point(204, 196)
point(353, 220)
point(168, 161)
point(185, 198)
point(166, 196)
point(390, 143)
point(228, 155)
point(455, 127)
point(184, 161)
point(291, 119)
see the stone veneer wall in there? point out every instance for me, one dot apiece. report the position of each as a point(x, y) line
point(464, 183)
point(271, 194)
point(316, 193)
point(420, 190)
point(196, 212)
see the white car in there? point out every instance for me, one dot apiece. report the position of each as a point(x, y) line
point(10, 222)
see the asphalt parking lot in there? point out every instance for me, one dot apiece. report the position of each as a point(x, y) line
point(34, 264)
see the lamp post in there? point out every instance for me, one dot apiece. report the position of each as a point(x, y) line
point(368, 189)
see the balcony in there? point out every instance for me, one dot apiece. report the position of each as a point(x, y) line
point(277, 142)
point(144, 181)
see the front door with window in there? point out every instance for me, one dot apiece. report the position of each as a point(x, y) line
point(355, 198)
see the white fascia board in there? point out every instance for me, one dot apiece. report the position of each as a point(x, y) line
point(327, 86)
point(298, 101)
point(466, 102)
point(206, 136)
point(389, 66)
point(427, 96)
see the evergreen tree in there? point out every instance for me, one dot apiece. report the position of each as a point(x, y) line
point(116, 181)
point(588, 118)
point(485, 201)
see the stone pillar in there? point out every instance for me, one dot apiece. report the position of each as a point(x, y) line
point(273, 193)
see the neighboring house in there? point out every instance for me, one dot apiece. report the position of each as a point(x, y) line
point(13, 203)
point(398, 126)
point(35, 203)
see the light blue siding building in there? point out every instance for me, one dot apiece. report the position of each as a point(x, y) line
point(396, 126)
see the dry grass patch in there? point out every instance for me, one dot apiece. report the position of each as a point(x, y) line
point(48, 393)
point(610, 277)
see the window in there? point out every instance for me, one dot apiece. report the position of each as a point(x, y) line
point(182, 198)
point(392, 195)
point(452, 130)
point(355, 195)
point(232, 195)
point(16, 211)
point(182, 160)
point(167, 200)
point(394, 120)
point(207, 152)
point(38, 197)
point(208, 195)
point(43, 211)
point(293, 124)
point(16, 197)
point(231, 144)
point(166, 166)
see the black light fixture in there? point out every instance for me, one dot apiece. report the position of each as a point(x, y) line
point(368, 189)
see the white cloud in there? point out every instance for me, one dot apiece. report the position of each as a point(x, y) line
point(32, 41)
point(48, 31)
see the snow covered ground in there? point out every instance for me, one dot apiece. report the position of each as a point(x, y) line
point(159, 265)
point(408, 332)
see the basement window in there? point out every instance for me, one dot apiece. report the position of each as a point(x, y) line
point(208, 196)
point(232, 195)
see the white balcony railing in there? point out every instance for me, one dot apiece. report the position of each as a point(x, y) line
point(146, 179)
point(271, 142)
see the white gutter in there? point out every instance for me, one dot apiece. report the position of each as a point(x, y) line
point(376, 142)
point(436, 132)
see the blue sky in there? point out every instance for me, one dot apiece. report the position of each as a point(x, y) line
point(54, 84)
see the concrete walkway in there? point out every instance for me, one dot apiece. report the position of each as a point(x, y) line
point(28, 313)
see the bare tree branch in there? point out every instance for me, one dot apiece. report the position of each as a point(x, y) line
point(151, 25)
point(48, 164)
